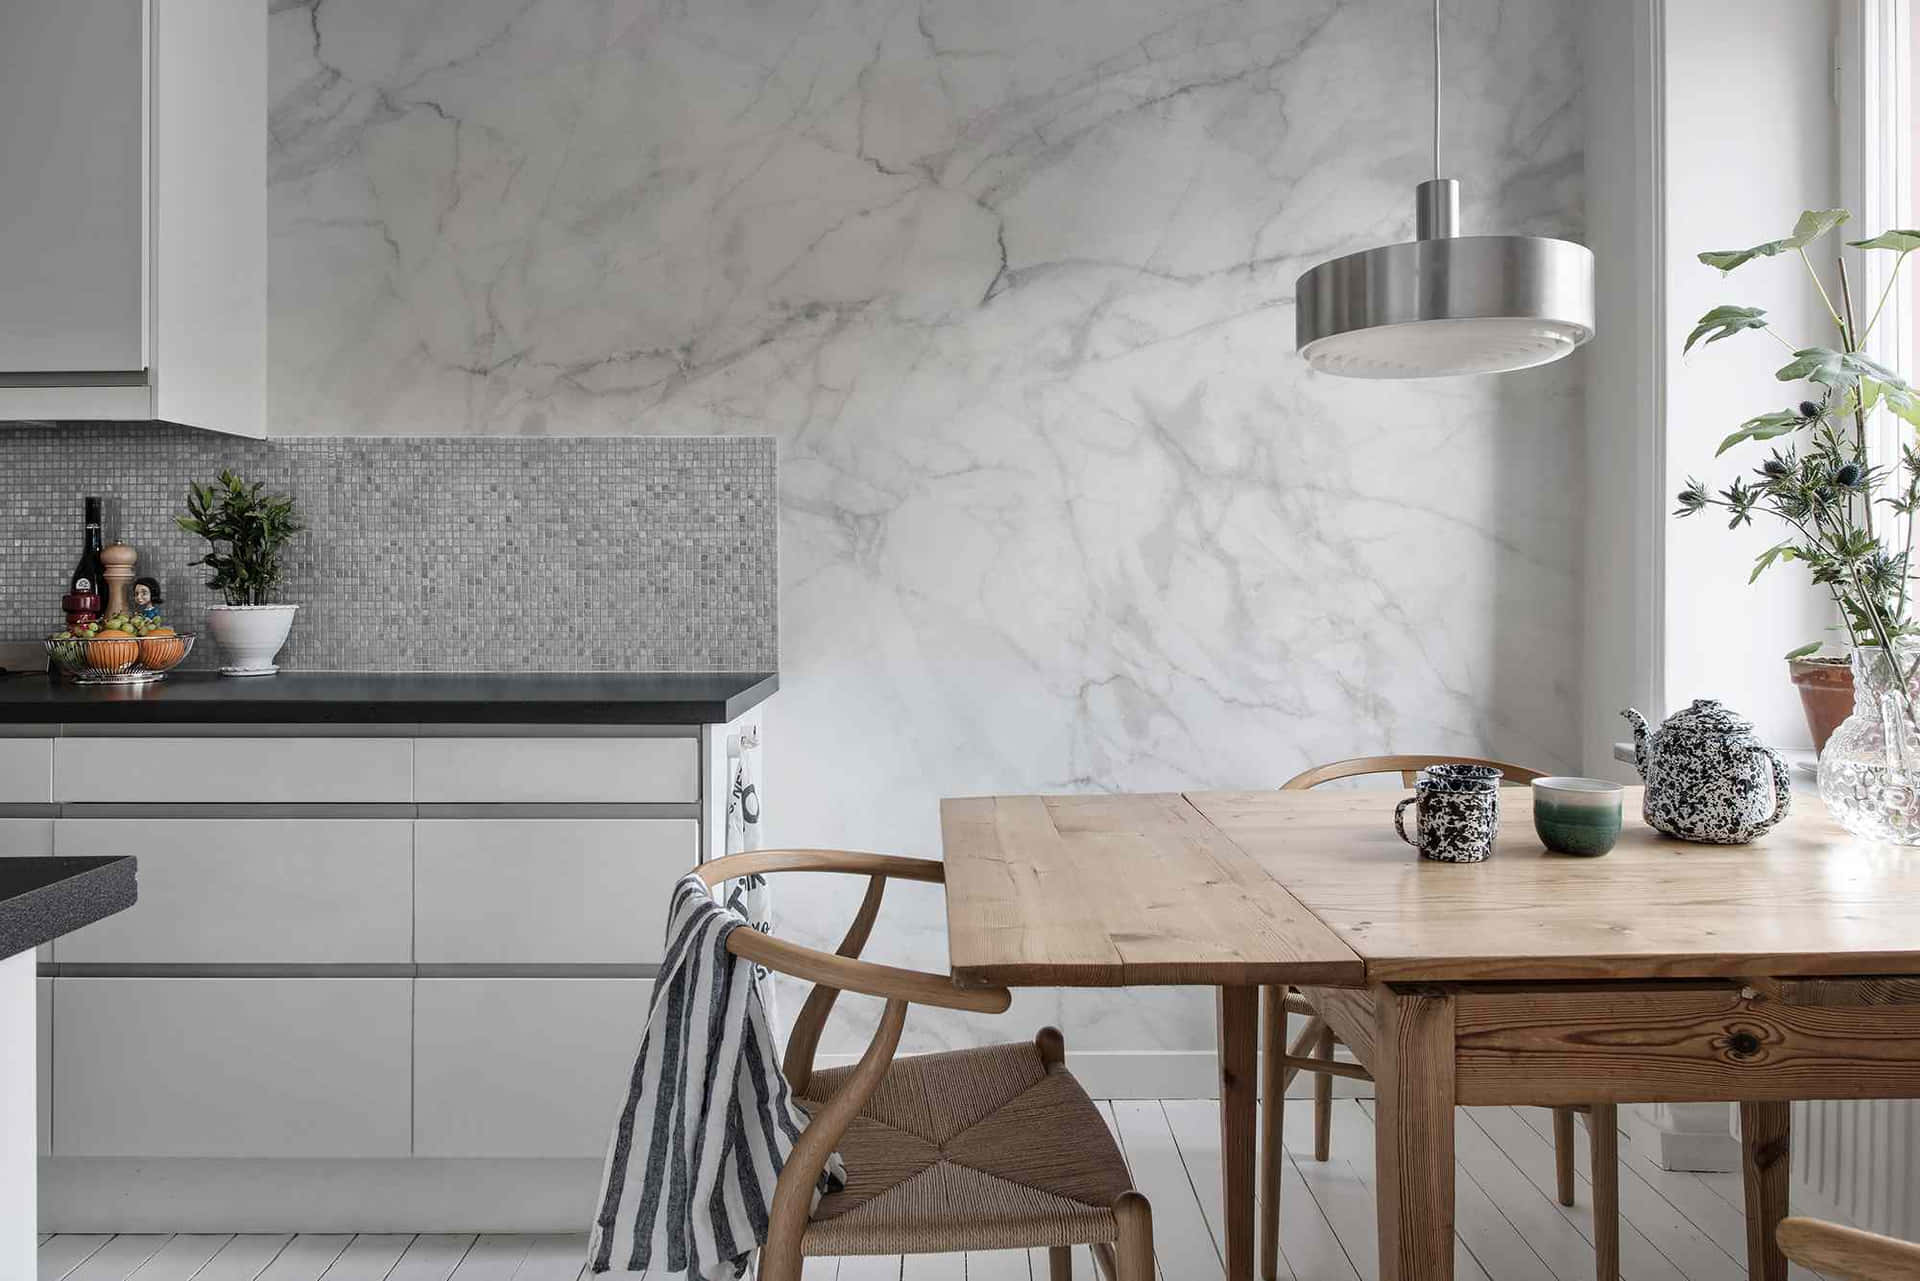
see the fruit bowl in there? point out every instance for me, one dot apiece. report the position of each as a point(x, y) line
point(118, 660)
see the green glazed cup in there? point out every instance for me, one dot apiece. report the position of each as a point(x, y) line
point(1579, 816)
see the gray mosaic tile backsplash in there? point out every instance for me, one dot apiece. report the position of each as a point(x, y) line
point(616, 553)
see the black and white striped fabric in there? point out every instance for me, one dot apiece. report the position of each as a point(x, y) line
point(708, 1121)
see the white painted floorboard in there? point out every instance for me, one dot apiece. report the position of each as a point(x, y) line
point(1676, 1227)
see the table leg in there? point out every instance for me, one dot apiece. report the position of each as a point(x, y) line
point(1273, 1089)
point(1239, 1010)
point(1765, 1135)
point(1413, 1133)
point(1603, 1141)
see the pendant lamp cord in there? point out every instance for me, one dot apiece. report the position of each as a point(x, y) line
point(1436, 88)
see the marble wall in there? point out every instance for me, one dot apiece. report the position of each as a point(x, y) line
point(1011, 283)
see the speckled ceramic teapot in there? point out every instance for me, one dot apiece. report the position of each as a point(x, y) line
point(1708, 778)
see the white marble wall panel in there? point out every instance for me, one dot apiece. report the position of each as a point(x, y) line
point(1012, 284)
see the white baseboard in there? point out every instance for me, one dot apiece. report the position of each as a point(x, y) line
point(1688, 1136)
point(127, 1194)
point(1157, 1074)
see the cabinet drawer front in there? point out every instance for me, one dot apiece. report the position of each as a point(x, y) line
point(230, 1067)
point(251, 890)
point(522, 1067)
point(234, 770)
point(506, 891)
point(26, 771)
point(556, 770)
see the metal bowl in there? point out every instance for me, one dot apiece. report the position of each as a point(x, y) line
point(120, 660)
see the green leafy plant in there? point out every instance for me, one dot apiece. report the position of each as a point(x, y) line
point(1821, 484)
point(246, 530)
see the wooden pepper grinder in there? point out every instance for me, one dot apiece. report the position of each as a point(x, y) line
point(117, 560)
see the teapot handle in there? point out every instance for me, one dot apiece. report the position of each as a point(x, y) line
point(1782, 790)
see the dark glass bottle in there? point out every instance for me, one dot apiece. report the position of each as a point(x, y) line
point(88, 575)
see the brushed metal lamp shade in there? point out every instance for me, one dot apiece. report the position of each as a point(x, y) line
point(1445, 304)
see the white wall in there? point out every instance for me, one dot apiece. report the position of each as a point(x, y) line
point(1751, 140)
point(1012, 284)
point(1623, 548)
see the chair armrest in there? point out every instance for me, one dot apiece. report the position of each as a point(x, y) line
point(760, 862)
point(849, 975)
point(1847, 1252)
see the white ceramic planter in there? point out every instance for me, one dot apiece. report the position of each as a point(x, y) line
point(249, 636)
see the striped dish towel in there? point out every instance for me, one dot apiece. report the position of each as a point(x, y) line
point(708, 1121)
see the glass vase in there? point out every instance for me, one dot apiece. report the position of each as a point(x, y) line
point(1870, 768)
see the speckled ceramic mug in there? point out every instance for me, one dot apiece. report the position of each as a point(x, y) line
point(1459, 813)
point(1579, 816)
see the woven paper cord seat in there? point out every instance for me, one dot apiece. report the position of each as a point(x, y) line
point(980, 1149)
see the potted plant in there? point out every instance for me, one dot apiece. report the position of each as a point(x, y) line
point(246, 530)
point(1849, 519)
point(1825, 683)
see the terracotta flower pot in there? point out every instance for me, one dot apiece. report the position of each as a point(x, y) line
point(1826, 694)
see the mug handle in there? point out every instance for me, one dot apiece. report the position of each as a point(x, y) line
point(1399, 825)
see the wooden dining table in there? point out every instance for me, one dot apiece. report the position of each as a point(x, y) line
point(1662, 972)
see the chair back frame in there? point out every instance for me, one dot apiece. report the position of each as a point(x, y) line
point(832, 973)
point(1407, 767)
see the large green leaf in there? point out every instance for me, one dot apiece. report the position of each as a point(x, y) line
point(1840, 369)
point(1765, 427)
point(1813, 224)
point(1803, 650)
point(1904, 241)
point(1896, 395)
point(1724, 322)
point(1764, 562)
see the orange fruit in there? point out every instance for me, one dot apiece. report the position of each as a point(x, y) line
point(161, 649)
point(112, 651)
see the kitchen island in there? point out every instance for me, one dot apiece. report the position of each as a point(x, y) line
point(395, 936)
point(40, 900)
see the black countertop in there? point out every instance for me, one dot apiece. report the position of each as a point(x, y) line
point(369, 698)
point(43, 898)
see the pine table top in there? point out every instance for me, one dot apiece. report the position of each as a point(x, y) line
point(1315, 888)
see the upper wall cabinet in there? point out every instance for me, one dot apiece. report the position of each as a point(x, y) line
point(133, 219)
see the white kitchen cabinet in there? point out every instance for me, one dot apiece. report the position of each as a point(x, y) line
point(522, 1067)
point(133, 211)
point(430, 944)
point(212, 1067)
point(562, 771)
point(72, 184)
point(234, 771)
point(546, 890)
point(26, 771)
point(25, 837)
point(264, 891)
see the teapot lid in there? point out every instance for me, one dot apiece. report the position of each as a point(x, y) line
point(1708, 716)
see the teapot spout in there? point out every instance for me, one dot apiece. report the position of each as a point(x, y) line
point(1639, 740)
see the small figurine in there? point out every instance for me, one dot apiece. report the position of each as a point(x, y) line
point(146, 597)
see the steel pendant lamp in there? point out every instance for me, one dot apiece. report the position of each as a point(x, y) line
point(1445, 304)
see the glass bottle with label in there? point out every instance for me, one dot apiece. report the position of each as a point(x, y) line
point(89, 578)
